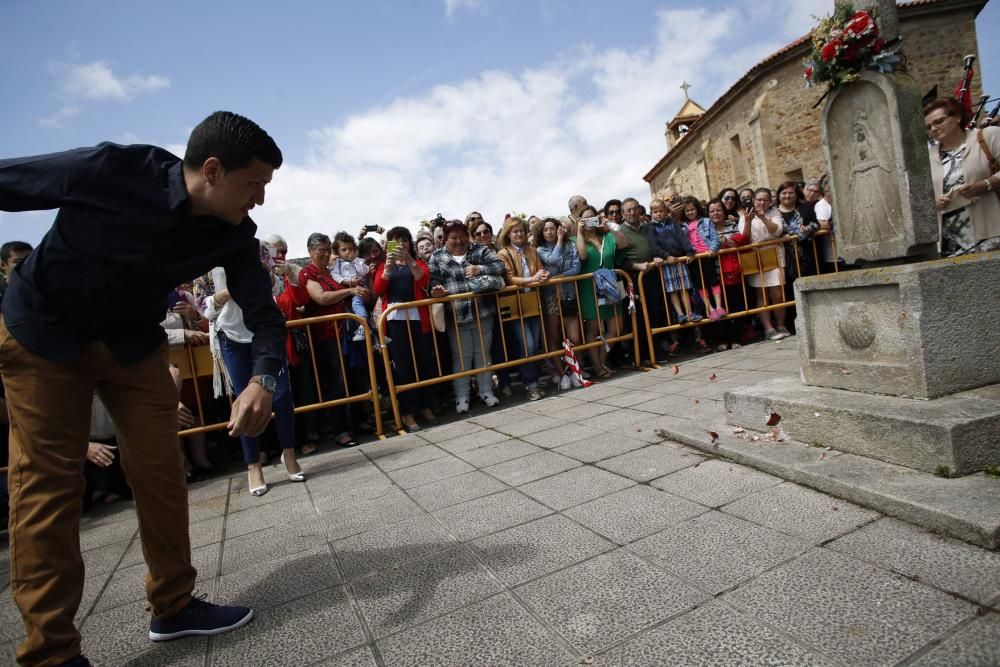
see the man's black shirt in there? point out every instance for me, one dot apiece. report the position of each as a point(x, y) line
point(123, 238)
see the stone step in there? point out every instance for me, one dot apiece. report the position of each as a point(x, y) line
point(959, 432)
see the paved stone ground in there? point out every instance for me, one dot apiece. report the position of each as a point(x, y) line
point(560, 532)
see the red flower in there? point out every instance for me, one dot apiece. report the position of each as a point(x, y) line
point(809, 71)
point(851, 53)
point(858, 24)
point(831, 50)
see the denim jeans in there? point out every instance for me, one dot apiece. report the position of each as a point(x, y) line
point(524, 342)
point(238, 358)
point(467, 353)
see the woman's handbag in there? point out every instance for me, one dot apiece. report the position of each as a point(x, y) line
point(485, 283)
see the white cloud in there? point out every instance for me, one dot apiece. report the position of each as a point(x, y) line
point(58, 119)
point(96, 81)
point(591, 122)
point(452, 6)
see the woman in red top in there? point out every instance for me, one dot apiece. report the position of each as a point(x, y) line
point(399, 279)
point(732, 274)
point(326, 297)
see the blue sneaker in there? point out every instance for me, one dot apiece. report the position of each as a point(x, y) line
point(199, 618)
point(695, 317)
point(681, 319)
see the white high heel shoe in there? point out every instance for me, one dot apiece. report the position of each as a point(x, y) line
point(294, 476)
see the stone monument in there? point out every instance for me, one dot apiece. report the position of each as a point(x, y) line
point(899, 363)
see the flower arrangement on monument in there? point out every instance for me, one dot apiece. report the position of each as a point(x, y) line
point(846, 43)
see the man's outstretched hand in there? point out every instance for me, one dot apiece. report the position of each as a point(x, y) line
point(251, 411)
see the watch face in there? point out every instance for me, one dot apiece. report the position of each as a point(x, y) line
point(268, 382)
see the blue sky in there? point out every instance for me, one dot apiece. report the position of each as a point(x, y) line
point(391, 111)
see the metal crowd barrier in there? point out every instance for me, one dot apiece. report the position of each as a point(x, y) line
point(755, 258)
point(196, 362)
point(527, 304)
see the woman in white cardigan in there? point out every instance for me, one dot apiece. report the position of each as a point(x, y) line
point(966, 186)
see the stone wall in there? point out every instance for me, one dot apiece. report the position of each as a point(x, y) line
point(767, 131)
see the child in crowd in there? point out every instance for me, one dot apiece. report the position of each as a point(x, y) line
point(704, 238)
point(669, 239)
point(350, 271)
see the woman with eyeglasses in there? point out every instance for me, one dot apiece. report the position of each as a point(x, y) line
point(560, 258)
point(482, 233)
point(613, 214)
point(965, 180)
point(763, 222)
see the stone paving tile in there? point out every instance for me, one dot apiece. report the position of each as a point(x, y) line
point(626, 398)
point(120, 636)
point(598, 392)
point(252, 520)
point(371, 514)
point(565, 434)
point(575, 486)
point(490, 514)
point(579, 413)
point(280, 580)
point(362, 657)
point(103, 535)
point(538, 548)
point(352, 473)
point(634, 513)
point(8, 653)
point(298, 632)
point(612, 421)
point(271, 543)
point(849, 610)
point(11, 625)
point(455, 490)
point(215, 488)
point(591, 450)
point(330, 497)
point(390, 446)
point(448, 431)
point(713, 634)
point(431, 471)
point(553, 406)
point(396, 599)
point(483, 457)
point(104, 559)
point(391, 545)
point(478, 438)
point(607, 598)
point(325, 461)
point(129, 584)
point(531, 424)
point(495, 418)
point(639, 380)
point(936, 561)
point(715, 551)
point(497, 631)
point(715, 482)
point(801, 512)
point(410, 457)
point(529, 468)
point(205, 510)
point(975, 645)
point(651, 462)
point(279, 488)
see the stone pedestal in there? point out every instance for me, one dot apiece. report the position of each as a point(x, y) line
point(875, 146)
point(921, 330)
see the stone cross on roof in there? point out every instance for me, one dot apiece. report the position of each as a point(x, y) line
point(685, 85)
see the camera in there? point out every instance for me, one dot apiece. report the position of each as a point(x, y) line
point(593, 221)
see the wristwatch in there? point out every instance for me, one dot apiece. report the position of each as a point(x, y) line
point(266, 381)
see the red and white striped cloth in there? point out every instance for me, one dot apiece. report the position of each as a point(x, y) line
point(572, 365)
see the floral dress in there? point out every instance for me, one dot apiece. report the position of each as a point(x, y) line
point(956, 226)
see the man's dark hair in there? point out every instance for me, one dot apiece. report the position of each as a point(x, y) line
point(10, 247)
point(343, 238)
point(400, 234)
point(234, 140)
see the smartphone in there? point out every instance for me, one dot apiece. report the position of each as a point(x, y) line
point(371, 228)
point(391, 246)
point(173, 298)
point(594, 221)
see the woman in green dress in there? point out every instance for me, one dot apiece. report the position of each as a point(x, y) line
point(597, 246)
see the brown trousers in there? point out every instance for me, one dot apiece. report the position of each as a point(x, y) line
point(49, 405)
